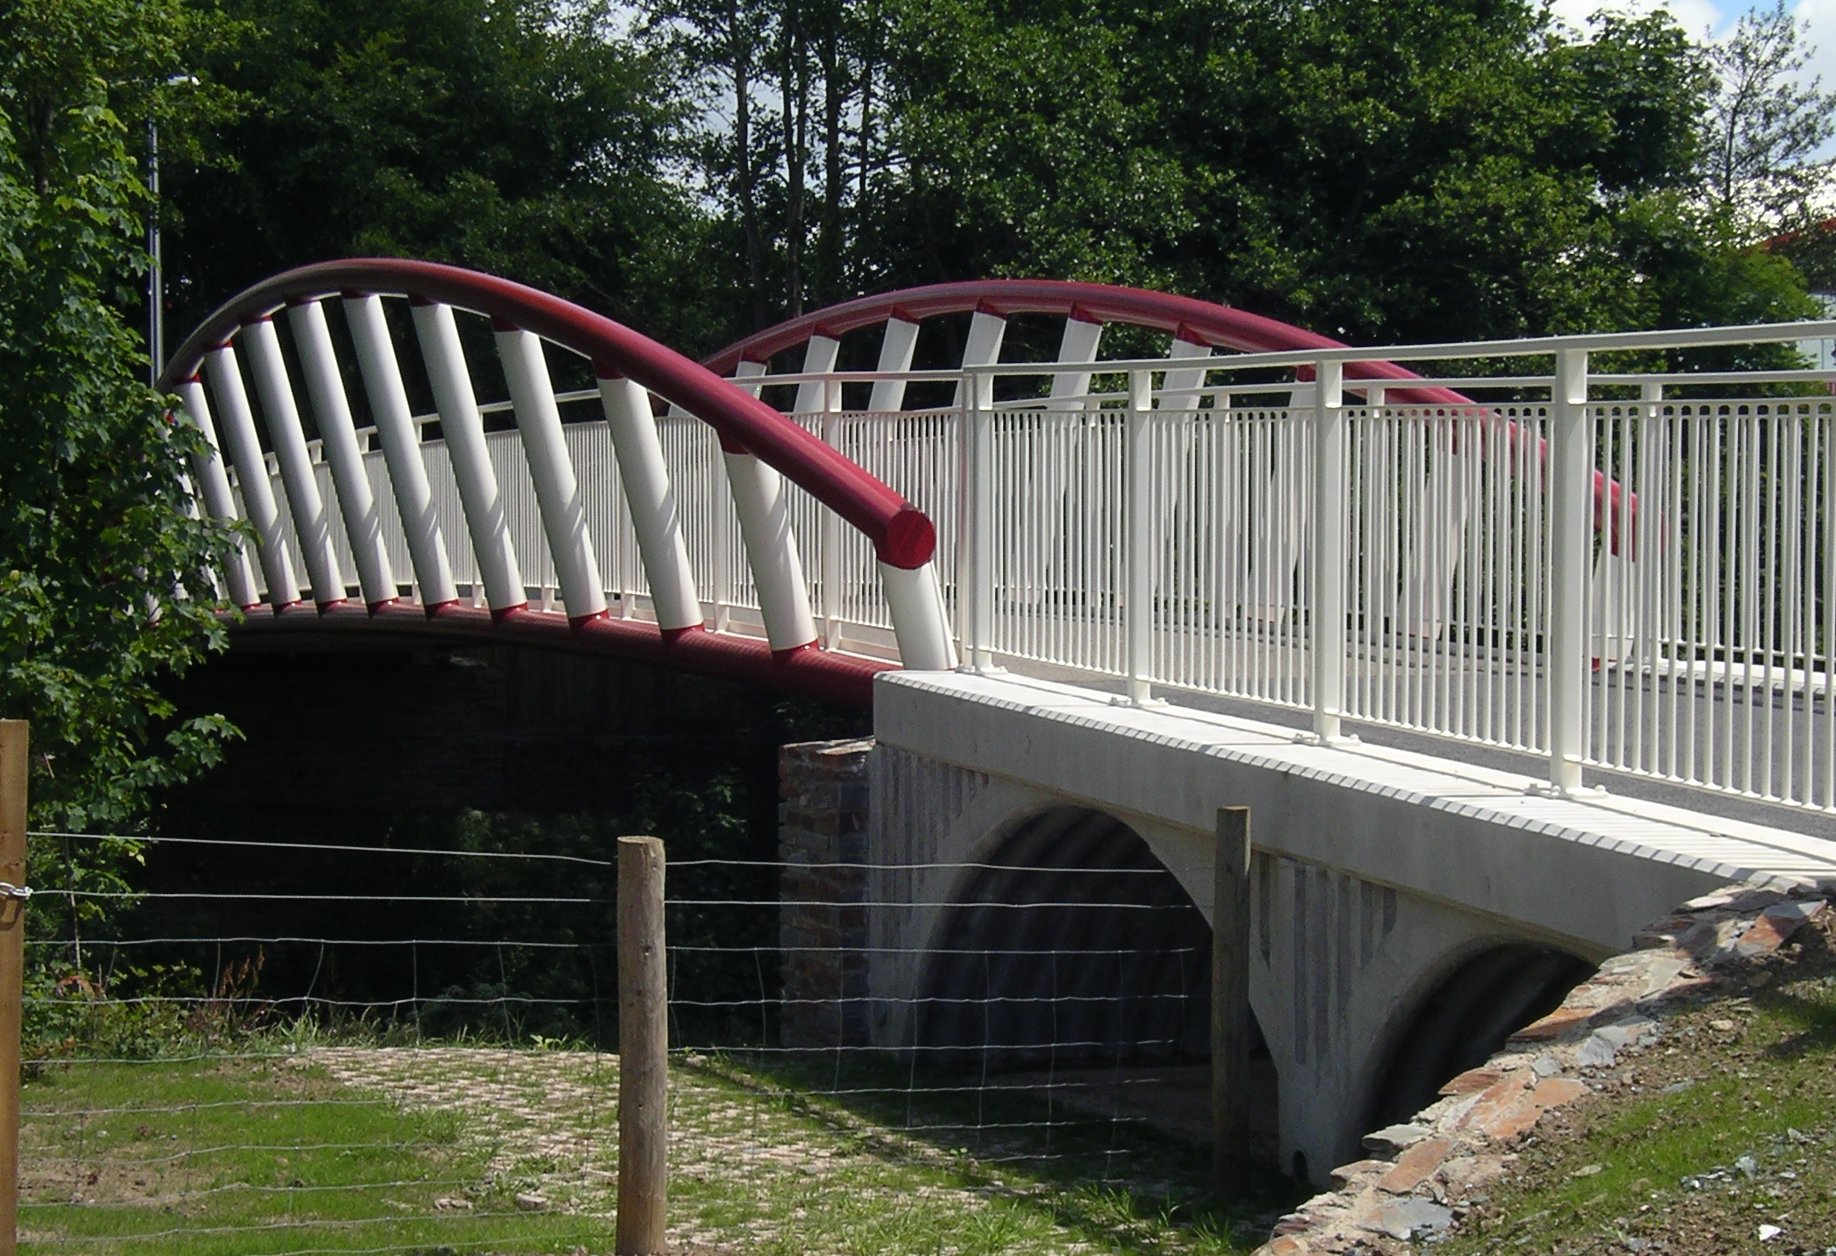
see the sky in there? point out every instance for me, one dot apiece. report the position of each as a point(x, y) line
point(1715, 18)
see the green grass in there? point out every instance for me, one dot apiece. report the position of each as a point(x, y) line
point(271, 1155)
point(249, 1156)
point(906, 1164)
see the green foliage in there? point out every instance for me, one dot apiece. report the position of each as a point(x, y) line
point(520, 137)
point(1028, 148)
point(103, 588)
point(1370, 169)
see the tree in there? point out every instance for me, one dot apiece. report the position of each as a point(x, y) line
point(1025, 140)
point(105, 595)
point(1765, 124)
point(1372, 169)
point(521, 137)
point(787, 92)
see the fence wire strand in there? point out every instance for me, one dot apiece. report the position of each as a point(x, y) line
point(436, 1060)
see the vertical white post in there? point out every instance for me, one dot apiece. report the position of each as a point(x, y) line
point(977, 559)
point(213, 483)
point(252, 475)
point(338, 437)
point(1078, 343)
point(722, 488)
point(895, 355)
point(763, 508)
point(463, 426)
point(1327, 617)
point(1138, 539)
point(401, 444)
point(655, 517)
point(311, 525)
point(830, 398)
point(1571, 465)
point(551, 470)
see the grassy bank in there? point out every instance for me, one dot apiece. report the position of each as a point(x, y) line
point(1719, 1138)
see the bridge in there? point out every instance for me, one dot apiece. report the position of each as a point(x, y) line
point(1414, 621)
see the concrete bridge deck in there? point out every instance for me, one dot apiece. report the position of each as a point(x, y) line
point(1383, 880)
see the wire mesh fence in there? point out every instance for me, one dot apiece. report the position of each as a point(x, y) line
point(292, 1048)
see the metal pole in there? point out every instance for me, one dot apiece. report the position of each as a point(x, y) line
point(1571, 465)
point(643, 1050)
point(1138, 539)
point(156, 276)
point(1230, 1007)
point(1329, 527)
point(14, 741)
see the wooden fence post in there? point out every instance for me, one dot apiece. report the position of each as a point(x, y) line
point(14, 739)
point(1230, 1008)
point(643, 1050)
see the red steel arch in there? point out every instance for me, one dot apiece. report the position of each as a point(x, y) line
point(902, 535)
point(1184, 318)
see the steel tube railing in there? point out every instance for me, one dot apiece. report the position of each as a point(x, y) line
point(1644, 585)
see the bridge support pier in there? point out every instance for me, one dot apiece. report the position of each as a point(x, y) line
point(822, 927)
point(1406, 916)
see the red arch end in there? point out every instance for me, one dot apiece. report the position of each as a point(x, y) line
point(910, 539)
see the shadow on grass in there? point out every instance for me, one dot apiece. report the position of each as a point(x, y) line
point(1104, 1178)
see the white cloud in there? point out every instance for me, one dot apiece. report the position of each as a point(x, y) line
point(1821, 15)
point(1694, 16)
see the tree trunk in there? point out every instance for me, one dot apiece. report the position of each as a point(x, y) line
point(834, 99)
point(793, 81)
point(745, 180)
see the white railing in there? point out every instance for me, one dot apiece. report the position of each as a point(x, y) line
point(1614, 572)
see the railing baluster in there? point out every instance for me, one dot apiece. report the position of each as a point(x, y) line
point(1571, 468)
point(1330, 520)
point(1138, 538)
point(977, 562)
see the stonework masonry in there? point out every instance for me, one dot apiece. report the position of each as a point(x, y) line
point(822, 928)
point(1419, 1175)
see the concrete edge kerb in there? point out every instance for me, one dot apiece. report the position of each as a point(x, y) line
point(1291, 766)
